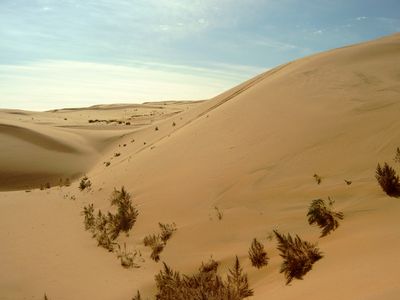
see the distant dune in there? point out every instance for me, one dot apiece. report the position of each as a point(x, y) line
point(249, 153)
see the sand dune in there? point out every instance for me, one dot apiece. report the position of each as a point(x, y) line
point(251, 151)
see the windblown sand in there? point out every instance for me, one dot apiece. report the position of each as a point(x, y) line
point(251, 151)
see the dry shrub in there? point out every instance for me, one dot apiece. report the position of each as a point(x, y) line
point(257, 254)
point(388, 180)
point(88, 213)
point(166, 231)
point(322, 215)
point(156, 244)
point(85, 183)
point(128, 259)
point(298, 256)
point(205, 284)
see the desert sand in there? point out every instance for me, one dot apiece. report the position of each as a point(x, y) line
point(251, 151)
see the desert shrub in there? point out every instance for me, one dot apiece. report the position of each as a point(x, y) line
point(137, 297)
point(128, 259)
point(85, 183)
point(156, 129)
point(322, 215)
point(126, 214)
point(348, 182)
point(219, 213)
point(89, 221)
point(173, 124)
point(156, 244)
point(205, 284)
point(166, 231)
point(45, 297)
point(257, 254)
point(397, 155)
point(103, 231)
point(317, 178)
point(388, 180)
point(298, 256)
point(117, 154)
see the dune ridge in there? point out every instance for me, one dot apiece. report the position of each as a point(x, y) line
point(250, 154)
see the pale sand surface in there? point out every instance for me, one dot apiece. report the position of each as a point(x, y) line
point(251, 151)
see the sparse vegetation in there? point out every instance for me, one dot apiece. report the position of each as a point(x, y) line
point(126, 214)
point(257, 254)
point(166, 231)
point(348, 182)
point(298, 256)
point(137, 297)
point(128, 258)
point(117, 154)
point(397, 156)
point(107, 227)
point(90, 220)
point(205, 284)
point(156, 244)
point(388, 180)
point(156, 129)
point(317, 178)
point(219, 213)
point(85, 183)
point(159, 241)
point(321, 214)
point(173, 124)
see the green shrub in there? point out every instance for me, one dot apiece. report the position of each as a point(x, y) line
point(298, 256)
point(322, 215)
point(257, 254)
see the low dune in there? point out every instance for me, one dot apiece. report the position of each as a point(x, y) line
point(225, 170)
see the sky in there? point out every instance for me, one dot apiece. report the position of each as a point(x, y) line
point(75, 53)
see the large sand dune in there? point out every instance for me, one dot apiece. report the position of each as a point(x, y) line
point(251, 151)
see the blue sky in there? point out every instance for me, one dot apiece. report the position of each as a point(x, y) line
point(63, 53)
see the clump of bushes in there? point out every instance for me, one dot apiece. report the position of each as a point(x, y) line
point(257, 254)
point(298, 256)
point(105, 228)
point(85, 183)
point(159, 241)
point(205, 284)
point(388, 180)
point(126, 214)
point(322, 215)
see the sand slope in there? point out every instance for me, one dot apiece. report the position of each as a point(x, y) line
point(252, 152)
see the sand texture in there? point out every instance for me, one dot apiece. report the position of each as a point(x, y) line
point(251, 151)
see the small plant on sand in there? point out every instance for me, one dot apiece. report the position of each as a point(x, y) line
point(317, 178)
point(166, 231)
point(45, 297)
point(89, 221)
point(156, 129)
point(321, 214)
point(117, 154)
point(126, 214)
point(257, 254)
point(156, 244)
point(128, 259)
point(219, 213)
point(205, 284)
point(397, 156)
point(103, 231)
point(137, 296)
point(388, 180)
point(85, 183)
point(298, 256)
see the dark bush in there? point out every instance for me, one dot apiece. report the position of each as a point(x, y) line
point(298, 256)
point(257, 254)
point(388, 180)
point(322, 215)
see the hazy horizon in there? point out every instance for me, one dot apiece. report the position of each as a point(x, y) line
point(66, 53)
